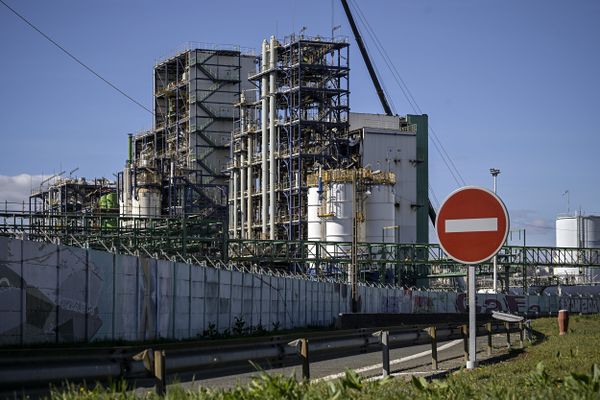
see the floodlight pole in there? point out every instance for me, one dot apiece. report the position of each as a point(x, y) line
point(495, 172)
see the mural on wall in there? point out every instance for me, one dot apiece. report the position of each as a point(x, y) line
point(47, 304)
point(52, 293)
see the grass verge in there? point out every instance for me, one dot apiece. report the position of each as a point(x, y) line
point(558, 367)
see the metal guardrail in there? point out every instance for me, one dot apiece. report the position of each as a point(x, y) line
point(25, 369)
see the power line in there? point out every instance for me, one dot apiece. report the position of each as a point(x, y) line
point(450, 165)
point(77, 60)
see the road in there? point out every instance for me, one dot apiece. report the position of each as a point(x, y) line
point(406, 361)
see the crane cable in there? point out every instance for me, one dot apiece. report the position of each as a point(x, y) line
point(446, 158)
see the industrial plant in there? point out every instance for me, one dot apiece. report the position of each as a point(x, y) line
point(256, 160)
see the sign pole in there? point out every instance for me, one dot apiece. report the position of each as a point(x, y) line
point(472, 225)
point(472, 363)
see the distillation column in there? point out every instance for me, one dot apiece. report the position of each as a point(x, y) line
point(272, 116)
point(234, 179)
point(242, 190)
point(249, 185)
point(263, 120)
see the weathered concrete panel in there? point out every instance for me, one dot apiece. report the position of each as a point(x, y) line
point(101, 270)
point(54, 293)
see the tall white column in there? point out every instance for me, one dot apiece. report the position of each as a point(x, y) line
point(263, 120)
point(234, 195)
point(249, 185)
point(242, 191)
point(272, 117)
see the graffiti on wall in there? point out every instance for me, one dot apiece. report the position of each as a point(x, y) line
point(515, 304)
point(49, 305)
point(51, 293)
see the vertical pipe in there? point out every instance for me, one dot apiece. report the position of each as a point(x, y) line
point(263, 120)
point(353, 250)
point(130, 148)
point(272, 116)
point(234, 195)
point(249, 185)
point(242, 192)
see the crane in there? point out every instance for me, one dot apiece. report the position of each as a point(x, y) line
point(380, 93)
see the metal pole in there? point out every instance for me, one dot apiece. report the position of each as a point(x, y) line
point(495, 172)
point(472, 363)
point(495, 286)
point(353, 250)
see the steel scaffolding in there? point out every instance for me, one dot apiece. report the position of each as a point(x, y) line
point(296, 122)
point(181, 161)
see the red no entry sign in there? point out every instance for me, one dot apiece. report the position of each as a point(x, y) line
point(472, 225)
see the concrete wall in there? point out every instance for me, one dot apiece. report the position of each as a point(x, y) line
point(51, 294)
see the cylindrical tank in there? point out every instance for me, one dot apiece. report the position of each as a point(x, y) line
point(339, 227)
point(579, 231)
point(147, 203)
point(112, 200)
point(591, 231)
point(315, 227)
point(102, 202)
point(314, 222)
point(380, 215)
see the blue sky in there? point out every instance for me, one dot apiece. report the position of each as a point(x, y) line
point(507, 84)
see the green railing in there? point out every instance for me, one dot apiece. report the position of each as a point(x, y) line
point(191, 238)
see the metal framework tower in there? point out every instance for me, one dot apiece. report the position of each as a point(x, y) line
point(182, 160)
point(296, 123)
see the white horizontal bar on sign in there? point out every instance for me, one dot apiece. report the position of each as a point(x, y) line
point(471, 225)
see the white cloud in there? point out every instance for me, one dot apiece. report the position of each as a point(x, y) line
point(16, 189)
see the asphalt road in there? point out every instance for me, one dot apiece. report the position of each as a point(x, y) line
point(406, 361)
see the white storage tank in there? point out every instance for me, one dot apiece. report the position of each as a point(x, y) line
point(579, 231)
point(339, 225)
point(147, 204)
point(314, 222)
point(315, 226)
point(380, 215)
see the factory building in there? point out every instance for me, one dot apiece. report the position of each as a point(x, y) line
point(178, 167)
point(304, 167)
point(397, 145)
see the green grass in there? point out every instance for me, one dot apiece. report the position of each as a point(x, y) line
point(556, 367)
